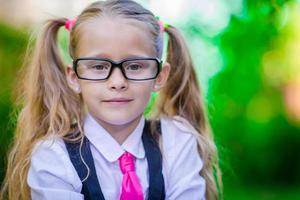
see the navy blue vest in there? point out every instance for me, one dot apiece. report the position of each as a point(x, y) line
point(91, 188)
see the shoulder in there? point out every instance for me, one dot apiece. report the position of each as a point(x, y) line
point(49, 154)
point(179, 123)
point(178, 136)
point(50, 159)
point(177, 130)
point(52, 147)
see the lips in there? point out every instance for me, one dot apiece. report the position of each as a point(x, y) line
point(118, 101)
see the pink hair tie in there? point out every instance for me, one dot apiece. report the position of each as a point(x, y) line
point(161, 25)
point(69, 24)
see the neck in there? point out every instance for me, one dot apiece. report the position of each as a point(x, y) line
point(120, 132)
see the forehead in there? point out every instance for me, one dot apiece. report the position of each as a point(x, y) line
point(114, 38)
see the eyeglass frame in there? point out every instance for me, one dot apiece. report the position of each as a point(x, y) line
point(117, 64)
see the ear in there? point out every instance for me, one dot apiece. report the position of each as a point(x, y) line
point(162, 77)
point(72, 79)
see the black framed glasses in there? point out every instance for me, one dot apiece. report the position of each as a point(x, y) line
point(136, 69)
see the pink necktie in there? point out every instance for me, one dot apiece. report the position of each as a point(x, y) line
point(131, 188)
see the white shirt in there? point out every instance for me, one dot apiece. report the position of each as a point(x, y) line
point(52, 176)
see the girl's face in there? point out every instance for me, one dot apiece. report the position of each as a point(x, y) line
point(115, 101)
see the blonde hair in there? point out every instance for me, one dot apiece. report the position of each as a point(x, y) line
point(185, 99)
point(49, 107)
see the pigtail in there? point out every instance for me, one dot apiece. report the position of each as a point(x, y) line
point(181, 96)
point(47, 108)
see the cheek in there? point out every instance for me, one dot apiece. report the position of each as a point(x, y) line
point(90, 91)
point(143, 92)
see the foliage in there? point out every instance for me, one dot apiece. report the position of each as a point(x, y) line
point(13, 43)
point(246, 112)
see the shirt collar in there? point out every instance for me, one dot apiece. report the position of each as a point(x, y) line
point(108, 146)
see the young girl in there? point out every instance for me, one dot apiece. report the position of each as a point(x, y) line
point(81, 133)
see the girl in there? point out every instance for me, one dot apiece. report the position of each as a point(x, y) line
point(81, 133)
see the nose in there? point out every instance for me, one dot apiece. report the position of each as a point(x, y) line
point(117, 81)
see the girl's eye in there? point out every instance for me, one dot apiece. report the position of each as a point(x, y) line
point(99, 67)
point(134, 66)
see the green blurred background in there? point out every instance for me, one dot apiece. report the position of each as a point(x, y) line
point(248, 61)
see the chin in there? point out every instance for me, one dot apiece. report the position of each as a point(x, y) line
point(117, 120)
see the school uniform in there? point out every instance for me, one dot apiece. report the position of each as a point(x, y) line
point(53, 176)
